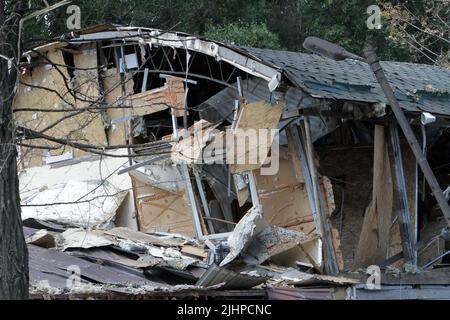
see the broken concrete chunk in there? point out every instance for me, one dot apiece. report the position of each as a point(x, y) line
point(273, 241)
point(239, 240)
point(149, 260)
point(255, 241)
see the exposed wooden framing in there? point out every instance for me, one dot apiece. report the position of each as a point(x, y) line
point(419, 247)
point(203, 200)
point(326, 233)
point(144, 81)
point(220, 220)
point(121, 53)
point(416, 212)
point(373, 61)
point(374, 238)
point(192, 201)
point(432, 262)
point(167, 58)
point(306, 173)
point(401, 199)
point(253, 190)
point(216, 236)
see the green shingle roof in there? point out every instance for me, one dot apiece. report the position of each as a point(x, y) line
point(418, 87)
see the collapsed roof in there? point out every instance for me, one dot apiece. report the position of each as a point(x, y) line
point(146, 91)
point(418, 87)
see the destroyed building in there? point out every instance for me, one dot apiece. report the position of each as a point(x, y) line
point(115, 125)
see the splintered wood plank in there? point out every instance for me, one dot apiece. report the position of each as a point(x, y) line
point(171, 95)
point(284, 199)
point(256, 116)
point(113, 94)
point(374, 238)
point(409, 167)
point(194, 251)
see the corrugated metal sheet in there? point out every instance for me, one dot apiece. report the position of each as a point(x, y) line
point(55, 264)
point(417, 87)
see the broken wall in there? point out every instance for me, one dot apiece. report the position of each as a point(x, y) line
point(48, 86)
point(160, 209)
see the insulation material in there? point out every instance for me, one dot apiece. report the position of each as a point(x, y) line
point(32, 180)
point(171, 95)
point(256, 116)
point(96, 207)
point(161, 210)
point(46, 87)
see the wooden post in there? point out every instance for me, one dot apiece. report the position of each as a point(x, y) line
point(374, 238)
point(373, 61)
point(401, 206)
point(326, 233)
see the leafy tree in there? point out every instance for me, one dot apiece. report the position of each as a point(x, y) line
point(423, 26)
point(263, 23)
point(249, 35)
point(339, 21)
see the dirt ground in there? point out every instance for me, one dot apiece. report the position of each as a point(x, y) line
point(350, 170)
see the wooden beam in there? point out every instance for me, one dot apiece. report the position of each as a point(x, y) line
point(401, 206)
point(374, 238)
point(325, 227)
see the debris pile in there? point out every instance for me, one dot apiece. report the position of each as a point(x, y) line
point(156, 164)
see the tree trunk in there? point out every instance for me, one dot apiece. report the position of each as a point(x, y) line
point(13, 249)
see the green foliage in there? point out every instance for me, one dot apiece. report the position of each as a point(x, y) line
point(248, 35)
point(261, 23)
